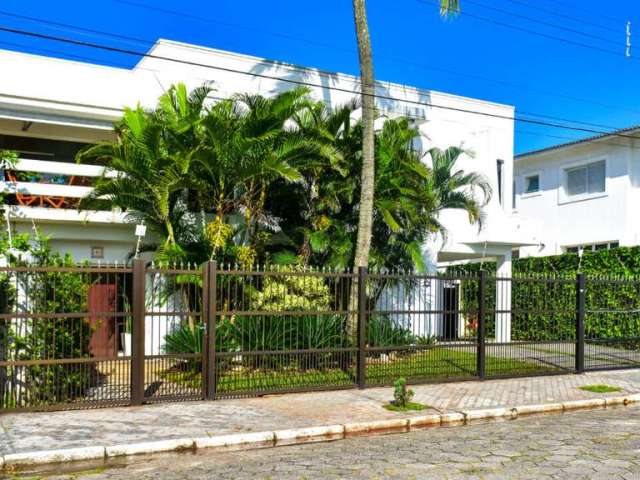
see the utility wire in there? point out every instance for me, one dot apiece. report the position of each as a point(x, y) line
point(307, 84)
point(543, 22)
point(519, 130)
point(565, 16)
point(136, 40)
point(532, 32)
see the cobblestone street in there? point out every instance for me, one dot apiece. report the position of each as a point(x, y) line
point(591, 444)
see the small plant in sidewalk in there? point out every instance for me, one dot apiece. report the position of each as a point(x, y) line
point(402, 397)
point(600, 388)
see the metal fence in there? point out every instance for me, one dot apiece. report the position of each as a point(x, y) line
point(84, 337)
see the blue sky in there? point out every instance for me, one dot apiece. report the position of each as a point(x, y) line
point(411, 43)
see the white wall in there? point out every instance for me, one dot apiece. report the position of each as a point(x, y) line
point(605, 217)
point(85, 94)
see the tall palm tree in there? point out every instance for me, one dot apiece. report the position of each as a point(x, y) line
point(367, 87)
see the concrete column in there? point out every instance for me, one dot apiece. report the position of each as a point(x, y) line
point(503, 297)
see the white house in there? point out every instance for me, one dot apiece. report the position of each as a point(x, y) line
point(50, 108)
point(581, 194)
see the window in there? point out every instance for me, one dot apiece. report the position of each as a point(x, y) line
point(532, 184)
point(97, 252)
point(514, 204)
point(592, 247)
point(500, 167)
point(586, 179)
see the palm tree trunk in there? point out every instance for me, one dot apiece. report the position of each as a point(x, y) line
point(367, 176)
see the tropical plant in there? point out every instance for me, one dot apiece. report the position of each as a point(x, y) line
point(401, 394)
point(151, 160)
point(385, 332)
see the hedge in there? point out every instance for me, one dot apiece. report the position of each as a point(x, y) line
point(544, 295)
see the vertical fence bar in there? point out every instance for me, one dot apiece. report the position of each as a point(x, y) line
point(480, 357)
point(580, 307)
point(138, 332)
point(212, 300)
point(204, 312)
point(362, 325)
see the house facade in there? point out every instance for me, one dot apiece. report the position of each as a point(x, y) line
point(580, 195)
point(50, 108)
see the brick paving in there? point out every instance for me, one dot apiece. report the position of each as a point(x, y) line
point(601, 444)
point(27, 432)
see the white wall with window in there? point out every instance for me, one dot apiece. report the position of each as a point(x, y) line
point(581, 195)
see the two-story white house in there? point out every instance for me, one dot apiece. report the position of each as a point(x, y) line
point(50, 108)
point(582, 194)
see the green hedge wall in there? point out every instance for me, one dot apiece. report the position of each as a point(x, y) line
point(544, 295)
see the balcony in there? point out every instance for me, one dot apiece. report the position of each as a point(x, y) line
point(47, 190)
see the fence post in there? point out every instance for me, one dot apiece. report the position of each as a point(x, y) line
point(480, 357)
point(209, 311)
point(138, 332)
point(362, 326)
point(580, 306)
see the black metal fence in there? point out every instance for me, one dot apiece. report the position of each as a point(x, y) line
point(82, 337)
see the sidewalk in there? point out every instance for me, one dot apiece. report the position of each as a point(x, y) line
point(26, 433)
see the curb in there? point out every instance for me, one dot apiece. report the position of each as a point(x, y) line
point(296, 436)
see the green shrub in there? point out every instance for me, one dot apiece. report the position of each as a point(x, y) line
point(401, 394)
point(184, 339)
point(384, 332)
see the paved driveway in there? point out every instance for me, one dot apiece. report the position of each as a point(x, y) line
point(595, 444)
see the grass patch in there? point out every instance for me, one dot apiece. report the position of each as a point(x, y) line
point(600, 388)
point(445, 362)
point(435, 363)
point(257, 380)
point(409, 406)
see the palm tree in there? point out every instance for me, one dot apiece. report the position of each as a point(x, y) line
point(367, 87)
point(249, 143)
point(151, 157)
point(456, 189)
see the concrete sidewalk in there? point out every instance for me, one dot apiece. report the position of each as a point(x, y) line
point(26, 433)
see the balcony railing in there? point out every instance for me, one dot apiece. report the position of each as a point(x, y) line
point(37, 188)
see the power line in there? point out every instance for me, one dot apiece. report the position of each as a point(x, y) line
point(74, 28)
point(519, 130)
point(92, 32)
point(564, 16)
point(532, 32)
point(543, 22)
point(593, 12)
point(304, 83)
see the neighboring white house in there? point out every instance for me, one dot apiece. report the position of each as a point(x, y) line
point(583, 194)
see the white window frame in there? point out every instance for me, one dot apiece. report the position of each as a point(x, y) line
point(564, 198)
point(524, 177)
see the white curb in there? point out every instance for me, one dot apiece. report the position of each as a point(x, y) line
point(541, 408)
point(487, 413)
point(53, 456)
point(424, 421)
point(308, 435)
point(611, 401)
point(236, 441)
point(453, 418)
point(377, 426)
point(584, 404)
point(633, 398)
point(150, 447)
